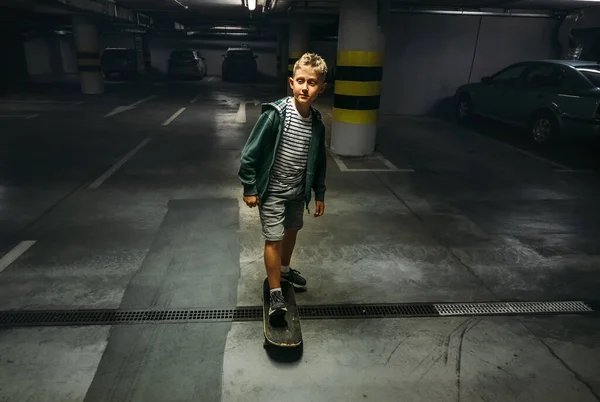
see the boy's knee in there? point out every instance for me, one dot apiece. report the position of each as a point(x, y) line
point(274, 244)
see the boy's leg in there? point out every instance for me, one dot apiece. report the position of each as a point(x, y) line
point(273, 263)
point(294, 221)
point(287, 248)
point(272, 215)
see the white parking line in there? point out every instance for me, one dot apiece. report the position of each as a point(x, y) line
point(143, 100)
point(390, 166)
point(41, 101)
point(170, 119)
point(15, 253)
point(121, 109)
point(340, 163)
point(196, 98)
point(211, 78)
point(240, 117)
point(113, 169)
point(574, 170)
point(18, 116)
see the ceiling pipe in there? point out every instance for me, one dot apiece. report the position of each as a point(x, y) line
point(508, 13)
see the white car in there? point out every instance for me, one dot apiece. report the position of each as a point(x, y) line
point(187, 63)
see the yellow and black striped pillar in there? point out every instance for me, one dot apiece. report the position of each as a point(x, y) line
point(88, 56)
point(358, 75)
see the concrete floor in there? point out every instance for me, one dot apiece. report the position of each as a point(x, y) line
point(468, 217)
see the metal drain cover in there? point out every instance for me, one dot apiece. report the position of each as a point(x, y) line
point(254, 313)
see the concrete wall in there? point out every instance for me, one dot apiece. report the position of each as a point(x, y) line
point(69, 55)
point(51, 58)
point(428, 56)
point(117, 40)
point(37, 55)
point(13, 69)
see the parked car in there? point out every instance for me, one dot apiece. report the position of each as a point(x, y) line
point(187, 62)
point(239, 64)
point(552, 99)
point(119, 61)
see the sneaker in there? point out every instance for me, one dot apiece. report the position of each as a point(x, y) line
point(294, 278)
point(277, 305)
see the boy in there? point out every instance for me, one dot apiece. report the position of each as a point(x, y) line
point(283, 160)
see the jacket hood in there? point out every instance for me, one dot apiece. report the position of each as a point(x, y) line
point(279, 106)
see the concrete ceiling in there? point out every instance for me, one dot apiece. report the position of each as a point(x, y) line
point(235, 8)
point(553, 5)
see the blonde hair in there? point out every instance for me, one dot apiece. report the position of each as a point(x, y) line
point(314, 61)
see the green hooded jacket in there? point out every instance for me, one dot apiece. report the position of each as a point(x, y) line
point(260, 150)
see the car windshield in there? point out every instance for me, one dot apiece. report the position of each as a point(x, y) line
point(592, 73)
point(239, 54)
point(182, 55)
point(115, 53)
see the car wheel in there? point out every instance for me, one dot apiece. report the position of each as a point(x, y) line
point(464, 107)
point(544, 128)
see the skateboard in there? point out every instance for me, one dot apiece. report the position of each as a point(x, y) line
point(285, 331)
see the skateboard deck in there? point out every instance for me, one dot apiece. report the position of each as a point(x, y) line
point(285, 331)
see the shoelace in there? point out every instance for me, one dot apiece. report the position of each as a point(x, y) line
point(277, 297)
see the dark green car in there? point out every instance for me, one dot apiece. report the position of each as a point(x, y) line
point(549, 98)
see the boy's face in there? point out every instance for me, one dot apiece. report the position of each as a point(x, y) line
point(306, 85)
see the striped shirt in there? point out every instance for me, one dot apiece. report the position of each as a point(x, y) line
point(292, 155)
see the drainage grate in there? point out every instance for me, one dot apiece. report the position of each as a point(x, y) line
point(513, 308)
point(254, 313)
point(368, 311)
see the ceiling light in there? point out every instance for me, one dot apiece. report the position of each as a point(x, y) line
point(229, 28)
point(182, 5)
point(251, 5)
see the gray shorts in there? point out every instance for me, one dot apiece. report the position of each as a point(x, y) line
point(280, 211)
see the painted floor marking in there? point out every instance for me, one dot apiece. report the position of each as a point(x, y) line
point(390, 166)
point(15, 253)
point(18, 116)
point(196, 98)
point(175, 115)
point(121, 109)
point(240, 117)
point(113, 169)
point(573, 170)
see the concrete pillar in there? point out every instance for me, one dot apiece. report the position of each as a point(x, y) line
point(138, 42)
point(146, 49)
point(357, 79)
point(298, 45)
point(87, 45)
point(282, 53)
point(55, 54)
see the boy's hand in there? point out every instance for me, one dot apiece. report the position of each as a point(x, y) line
point(251, 200)
point(319, 208)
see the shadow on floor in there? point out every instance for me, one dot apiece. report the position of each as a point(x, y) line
point(285, 355)
point(576, 153)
